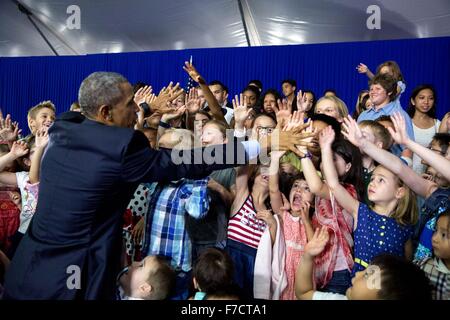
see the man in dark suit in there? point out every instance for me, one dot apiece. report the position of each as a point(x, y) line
point(93, 164)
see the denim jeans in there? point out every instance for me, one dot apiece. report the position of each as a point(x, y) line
point(339, 282)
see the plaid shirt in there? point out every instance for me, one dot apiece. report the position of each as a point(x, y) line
point(439, 276)
point(165, 231)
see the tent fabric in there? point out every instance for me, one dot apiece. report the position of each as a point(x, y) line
point(111, 26)
point(25, 81)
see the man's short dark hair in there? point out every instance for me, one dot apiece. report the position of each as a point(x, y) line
point(401, 279)
point(290, 81)
point(217, 82)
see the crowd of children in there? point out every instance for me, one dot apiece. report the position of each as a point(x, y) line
point(360, 210)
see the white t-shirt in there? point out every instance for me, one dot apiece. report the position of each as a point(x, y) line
point(423, 137)
point(29, 195)
point(319, 295)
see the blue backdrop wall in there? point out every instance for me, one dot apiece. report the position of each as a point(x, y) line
point(26, 81)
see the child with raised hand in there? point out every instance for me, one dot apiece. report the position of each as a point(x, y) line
point(388, 67)
point(436, 198)
point(333, 266)
point(388, 277)
point(388, 224)
point(438, 268)
point(295, 222)
point(249, 217)
point(27, 182)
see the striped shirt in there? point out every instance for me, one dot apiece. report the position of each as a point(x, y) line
point(244, 227)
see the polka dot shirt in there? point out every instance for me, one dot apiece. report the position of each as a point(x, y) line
point(376, 234)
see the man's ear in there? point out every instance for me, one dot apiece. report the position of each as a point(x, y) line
point(104, 113)
point(379, 144)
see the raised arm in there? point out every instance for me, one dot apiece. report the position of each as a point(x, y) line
point(418, 184)
point(343, 197)
point(18, 149)
point(445, 124)
point(304, 284)
point(316, 185)
point(214, 106)
point(276, 199)
point(399, 134)
point(362, 68)
point(40, 145)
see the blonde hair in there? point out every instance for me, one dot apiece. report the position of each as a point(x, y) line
point(379, 131)
point(33, 111)
point(395, 69)
point(222, 127)
point(340, 105)
point(406, 211)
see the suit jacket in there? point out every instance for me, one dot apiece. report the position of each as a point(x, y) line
point(89, 173)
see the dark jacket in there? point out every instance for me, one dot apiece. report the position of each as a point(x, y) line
point(89, 173)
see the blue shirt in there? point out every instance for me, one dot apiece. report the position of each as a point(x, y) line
point(376, 234)
point(388, 110)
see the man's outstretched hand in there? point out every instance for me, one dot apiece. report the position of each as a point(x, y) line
point(288, 140)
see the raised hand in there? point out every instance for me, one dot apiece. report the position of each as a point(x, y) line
point(318, 242)
point(309, 130)
point(141, 95)
point(291, 140)
point(304, 211)
point(266, 216)
point(167, 94)
point(138, 231)
point(282, 112)
point(19, 149)
point(398, 133)
point(352, 131)
point(193, 73)
point(41, 138)
point(9, 131)
point(192, 101)
point(302, 101)
point(362, 68)
point(295, 121)
point(326, 137)
point(241, 111)
point(174, 113)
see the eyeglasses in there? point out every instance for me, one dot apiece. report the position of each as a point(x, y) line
point(265, 130)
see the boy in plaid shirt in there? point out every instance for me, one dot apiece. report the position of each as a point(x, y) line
point(437, 268)
point(165, 231)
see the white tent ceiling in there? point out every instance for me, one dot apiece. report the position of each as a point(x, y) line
point(148, 25)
